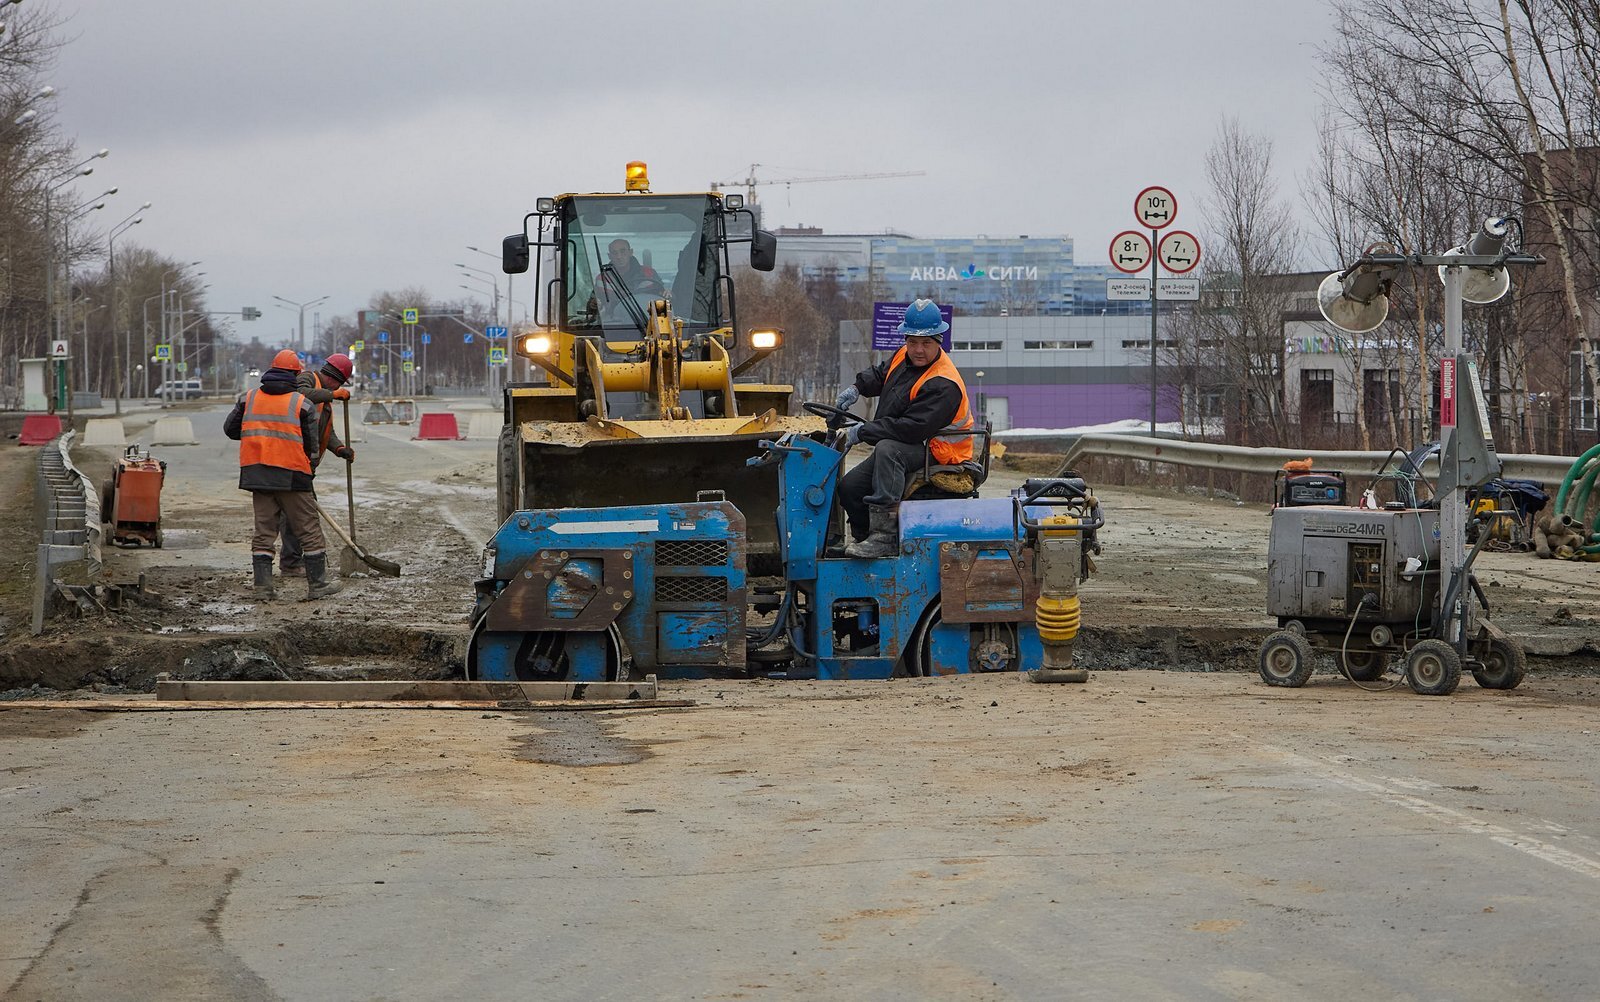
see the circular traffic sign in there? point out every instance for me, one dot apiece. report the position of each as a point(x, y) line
point(1179, 252)
point(1155, 208)
point(1130, 251)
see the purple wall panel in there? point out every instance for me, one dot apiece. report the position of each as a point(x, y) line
point(1074, 406)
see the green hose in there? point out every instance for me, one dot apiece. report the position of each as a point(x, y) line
point(1580, 498)
point(1566, 484)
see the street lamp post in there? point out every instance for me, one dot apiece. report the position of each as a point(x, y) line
point(302, 307)
point(983, 411)
point(62, 180)
point(118, 380)
point(511, 305)
point(166, 365)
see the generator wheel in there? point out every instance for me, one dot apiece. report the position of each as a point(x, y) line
point(1365, 666)
point(1433, 668)
point(1285, 659)
point(1504, 665)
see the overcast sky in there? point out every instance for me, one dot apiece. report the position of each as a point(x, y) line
point(303, 148)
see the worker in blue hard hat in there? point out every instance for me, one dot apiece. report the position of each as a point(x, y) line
point(922, 409)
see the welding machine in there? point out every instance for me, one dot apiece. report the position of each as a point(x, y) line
point(132, 505)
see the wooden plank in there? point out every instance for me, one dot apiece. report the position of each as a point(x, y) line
point(367, 691)
point(184, 706)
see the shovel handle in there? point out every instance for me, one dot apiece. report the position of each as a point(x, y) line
point(349, 474)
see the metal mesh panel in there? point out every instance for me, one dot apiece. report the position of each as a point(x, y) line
point(691, 553)
point(691, 589)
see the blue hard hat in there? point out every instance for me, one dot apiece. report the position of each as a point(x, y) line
point(922, 320)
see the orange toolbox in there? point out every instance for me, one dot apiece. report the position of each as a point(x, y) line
point(133, 504)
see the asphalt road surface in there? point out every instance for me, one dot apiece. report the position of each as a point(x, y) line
point(1150, 835)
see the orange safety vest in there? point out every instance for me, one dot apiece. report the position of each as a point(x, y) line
point(270, 433)
point(326, 428)
point(948, 449)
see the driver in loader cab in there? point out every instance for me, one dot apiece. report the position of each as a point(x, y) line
point(631, 278)
point(922, 408)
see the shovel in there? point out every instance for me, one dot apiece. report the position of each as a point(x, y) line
point(352, 549)
point(377, 563)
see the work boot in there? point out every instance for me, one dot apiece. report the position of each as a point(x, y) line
point(261, 563)
point(317, 583)
point(883, 538)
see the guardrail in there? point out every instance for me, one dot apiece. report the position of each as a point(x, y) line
point(1243, 459)
point(70, 508)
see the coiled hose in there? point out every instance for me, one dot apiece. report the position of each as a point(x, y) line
point(1573, 498)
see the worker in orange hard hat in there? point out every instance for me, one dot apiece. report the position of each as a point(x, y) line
point(276, 428)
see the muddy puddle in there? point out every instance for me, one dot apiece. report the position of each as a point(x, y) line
point(576, 739)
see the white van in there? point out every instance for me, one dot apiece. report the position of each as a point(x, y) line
point(182, 389)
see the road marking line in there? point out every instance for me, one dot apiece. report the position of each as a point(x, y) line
point(1522, 842)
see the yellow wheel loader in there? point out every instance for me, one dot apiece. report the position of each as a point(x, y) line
point(636, 336)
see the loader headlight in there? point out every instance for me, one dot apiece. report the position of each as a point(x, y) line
point(732, 202)
point(766, 338)
point(544, 205)
point(536, 344)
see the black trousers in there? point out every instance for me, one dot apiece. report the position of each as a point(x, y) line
point(879, 480)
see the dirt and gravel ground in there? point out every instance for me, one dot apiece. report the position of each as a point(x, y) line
point(1172, 829)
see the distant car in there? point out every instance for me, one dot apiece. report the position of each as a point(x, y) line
point(182, 389)
point(253, 374)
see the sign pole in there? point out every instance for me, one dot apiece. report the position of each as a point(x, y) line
point(1154, 274)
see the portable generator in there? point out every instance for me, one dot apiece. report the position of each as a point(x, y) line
point(1311, 487)
point(1364, 584)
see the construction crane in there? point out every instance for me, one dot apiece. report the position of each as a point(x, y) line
point(750, 180)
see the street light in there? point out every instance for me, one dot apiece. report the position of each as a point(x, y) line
point(118, 379)
point(302, 307)
point(77, 170)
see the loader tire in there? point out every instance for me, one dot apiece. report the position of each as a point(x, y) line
point(508, 473)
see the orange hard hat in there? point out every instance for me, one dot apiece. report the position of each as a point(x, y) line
point(287, 359)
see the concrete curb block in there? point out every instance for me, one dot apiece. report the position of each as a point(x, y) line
point(105, 432)
point(485, 424)
point(173, 431)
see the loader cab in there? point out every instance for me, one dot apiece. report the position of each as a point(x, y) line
point(676, 247)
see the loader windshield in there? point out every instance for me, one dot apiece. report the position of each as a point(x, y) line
point(621, 253)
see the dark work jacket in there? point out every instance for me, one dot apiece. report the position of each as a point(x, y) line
point(319, 387)
point(900, 418)
point(259, 476)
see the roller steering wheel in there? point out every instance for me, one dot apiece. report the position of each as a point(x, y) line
point(833, 414)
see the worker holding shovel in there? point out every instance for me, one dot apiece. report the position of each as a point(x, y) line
point(322, 388)
point(276, 428)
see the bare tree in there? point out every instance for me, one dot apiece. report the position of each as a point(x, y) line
point(1251, 237)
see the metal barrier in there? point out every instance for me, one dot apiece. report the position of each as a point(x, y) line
point(71, 510)
point(1242, 459)
point(402, 411)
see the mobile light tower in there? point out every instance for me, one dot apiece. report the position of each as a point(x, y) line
point(1362, 573)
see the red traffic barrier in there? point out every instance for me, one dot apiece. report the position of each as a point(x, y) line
point(39, 429)
point(438, 427)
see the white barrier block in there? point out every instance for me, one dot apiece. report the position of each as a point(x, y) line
point(486, 424)
point(173, 431)
point(105, 432)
